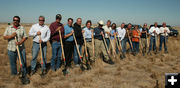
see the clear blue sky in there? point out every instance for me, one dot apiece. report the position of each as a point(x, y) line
point(134, 11)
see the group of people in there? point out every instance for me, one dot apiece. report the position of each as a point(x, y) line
point(82, 45)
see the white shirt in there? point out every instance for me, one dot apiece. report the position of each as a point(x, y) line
point(45, 32)
point(121, 32)
point(152, 29)
point(87, 32)
point(162, 30)
point(106, 29)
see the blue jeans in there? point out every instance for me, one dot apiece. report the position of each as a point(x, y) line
point(163, 39)
point(124, 44)
point(107, 42)
point(75, 54)
point(13, 58)
point(56, 54)
point(152, 43)
point(135, 46)
point(35, 51)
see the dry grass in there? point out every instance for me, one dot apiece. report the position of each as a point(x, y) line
point(132, 72)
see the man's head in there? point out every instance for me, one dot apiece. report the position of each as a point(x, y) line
point(79, 21)
point(155, 24)
point(129, 26)
point(145, 25)
point(16, 20)
point(108, 23)
point(164, 24)
point(122, 25)
point(58, 18)
point(101, 23)
point(88, 24)
point(70, 21)
point(41, 20)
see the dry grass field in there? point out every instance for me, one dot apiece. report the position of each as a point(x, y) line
point(133, 72)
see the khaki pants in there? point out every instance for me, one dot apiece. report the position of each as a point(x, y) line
point(90, 50)
point(100, 49)
point(144, 43)
point(114, 46)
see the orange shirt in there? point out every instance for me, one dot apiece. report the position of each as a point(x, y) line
point(135, 33)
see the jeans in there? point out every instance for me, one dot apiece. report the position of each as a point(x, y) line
point(135, 46)
point(163, 39)
point(124, 44)
point(13, 58)
point(56, 55)
point(68, 50)
point(76, 55)
point(107, 42)
point(152, 43)
point(35, 51)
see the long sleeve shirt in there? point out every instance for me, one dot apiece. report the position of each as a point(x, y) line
point(97, 33)
point(78, 34)
point(54, 33)
point(107, 29)
point(121, 32)
point(45, 32)
point(162, 31)
point(88, 33)
point(152, 29)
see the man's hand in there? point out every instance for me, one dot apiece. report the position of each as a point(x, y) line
point(13, 34)
point(154, 31)
point(102, 33)
point(38, 33)
point(165, 31)
point(83, 31)
point(18, 43)
point(59, 28)
point(72, 31)
point(40, 41)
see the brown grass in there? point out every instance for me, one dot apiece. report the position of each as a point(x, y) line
point(133, 72)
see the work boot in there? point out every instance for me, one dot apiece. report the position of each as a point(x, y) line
point(44, 72)
point(110, 62)
point(25, 80)
point(165, 52)
point(32, 72)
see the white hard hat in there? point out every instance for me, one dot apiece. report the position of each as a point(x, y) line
point(101, 22)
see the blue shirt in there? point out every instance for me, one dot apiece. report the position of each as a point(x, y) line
point(67, 30)
point(112, 33)
point(87, 32)
point(97, 32)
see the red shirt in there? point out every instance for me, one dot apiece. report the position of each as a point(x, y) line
point(54, 33)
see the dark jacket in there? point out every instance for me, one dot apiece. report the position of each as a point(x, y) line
point(143, 35)
point(78, 34)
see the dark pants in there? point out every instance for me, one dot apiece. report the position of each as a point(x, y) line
point(163, 40)
point(135, 46)
point(124, 44)
point(68, 50)
point(107, 42)
point(152, 43)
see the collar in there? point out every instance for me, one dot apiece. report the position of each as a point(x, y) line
point(13, 26)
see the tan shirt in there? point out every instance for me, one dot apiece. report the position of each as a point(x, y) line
point(21, 33)
point(107, 29)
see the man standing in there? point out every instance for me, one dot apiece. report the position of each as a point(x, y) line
point(107, 29)
point(144, 36)
point(164, 37)
point(41, 34)
point(121, 34)
point(79, 37)
point(154, 32)
point(16, 36)
point(55, 27)
point(88, 34)
point(127, 38)
point(99, 44)
point(69, 42)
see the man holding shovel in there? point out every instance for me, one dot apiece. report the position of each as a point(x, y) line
point(41, 34)
point(16, 36)
point(55, 27)
point(163, 37)
point(100, 43)
point(144, 38)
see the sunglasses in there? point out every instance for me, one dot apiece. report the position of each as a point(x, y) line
point(41, 20)
point(16, 20)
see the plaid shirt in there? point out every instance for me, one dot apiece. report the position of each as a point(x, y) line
point(21, 33)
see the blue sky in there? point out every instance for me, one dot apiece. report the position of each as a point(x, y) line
point(118, 11)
